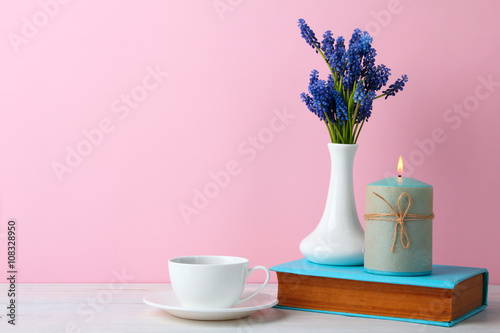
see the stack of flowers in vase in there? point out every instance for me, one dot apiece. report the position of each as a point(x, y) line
point(344, 101)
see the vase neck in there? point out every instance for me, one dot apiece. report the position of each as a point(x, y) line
point(342, 157)
point(340, 200)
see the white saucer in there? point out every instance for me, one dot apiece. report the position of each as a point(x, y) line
point(167, 301)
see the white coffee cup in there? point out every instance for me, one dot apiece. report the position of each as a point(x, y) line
point(211, 282)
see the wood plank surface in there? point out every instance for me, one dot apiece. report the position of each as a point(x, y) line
point(54, 308)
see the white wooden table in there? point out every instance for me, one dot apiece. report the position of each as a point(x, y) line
point(96, 308)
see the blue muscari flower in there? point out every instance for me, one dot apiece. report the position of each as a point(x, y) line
point(353, 70)
point(308, 34)
point(365, 110)
point(321, 100)
point(324, 101)
point(369, 62)
point(356, 35)
point(359, 93)
point(396, 86)
point(365, 43)
point(314, 76)
point(383, 73)
point(307, 99)
point(359, 45)
point(327, 45)
point(377, 77)
point(337, 60)
point(340, 108)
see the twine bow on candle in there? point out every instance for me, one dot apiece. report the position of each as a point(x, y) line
point(400, 219)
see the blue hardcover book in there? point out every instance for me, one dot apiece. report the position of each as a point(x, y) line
point(448, 296)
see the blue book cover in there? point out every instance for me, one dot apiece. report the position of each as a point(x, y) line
point(445, 277)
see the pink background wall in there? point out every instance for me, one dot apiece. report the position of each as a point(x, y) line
point(117, 209)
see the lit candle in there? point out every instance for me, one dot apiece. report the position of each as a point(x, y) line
point(398, 226)
point(400, 170)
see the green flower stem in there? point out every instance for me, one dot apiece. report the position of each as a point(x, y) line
point(338, 133)
point(341, 88)
point(330, 131)
point(355, 124)
point(379, 96)
point(355, 130)
point(353, 119)
point(328, 63)
point(360, 128)
point(350, 104)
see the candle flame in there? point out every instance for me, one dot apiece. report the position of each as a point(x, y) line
point(400, 165)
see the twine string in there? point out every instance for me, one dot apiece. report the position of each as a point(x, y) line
point(400, 219)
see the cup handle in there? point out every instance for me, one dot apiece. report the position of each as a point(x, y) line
point(241, 300)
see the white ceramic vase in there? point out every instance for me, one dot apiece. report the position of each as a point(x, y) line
point(338, 239)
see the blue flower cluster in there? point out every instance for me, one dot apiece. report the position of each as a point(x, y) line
point(308, 34)
point(396, 86)
point(354, 78)
point(324, 100)
point(365, 109)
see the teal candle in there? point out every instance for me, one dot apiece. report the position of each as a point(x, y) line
point(398, 240)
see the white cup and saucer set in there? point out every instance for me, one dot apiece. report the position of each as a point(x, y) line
point(211, 288)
